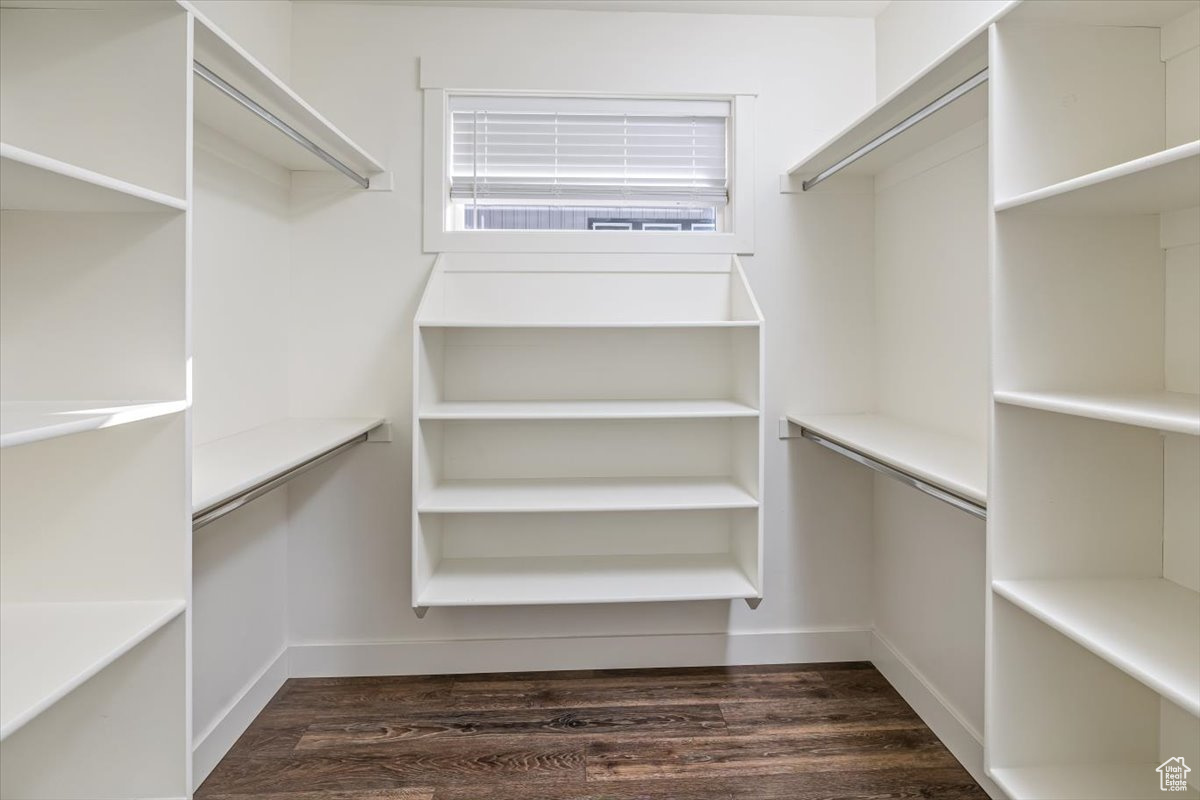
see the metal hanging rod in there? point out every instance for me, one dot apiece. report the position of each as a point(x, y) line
point(891, 133)
point(287, 130)
point(213, 513)
point(961, 503)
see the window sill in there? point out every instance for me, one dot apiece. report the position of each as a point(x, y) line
point(586, 242)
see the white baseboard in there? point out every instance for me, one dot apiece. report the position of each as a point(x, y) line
point(577, 652)
point(960, 737)
point(210, 747)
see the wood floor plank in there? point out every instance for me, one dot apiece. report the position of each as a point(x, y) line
point(925, 783)
point(867, 684)
point(819, 715)
point(417, 764)
point(765, 755)
point(670, 789)
point(638, 689)
point(627, 722)
point(363, 695)
point(424, 793)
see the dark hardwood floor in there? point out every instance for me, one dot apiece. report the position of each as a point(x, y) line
point(792, 732)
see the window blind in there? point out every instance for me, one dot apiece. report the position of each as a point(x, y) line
point(539, 149)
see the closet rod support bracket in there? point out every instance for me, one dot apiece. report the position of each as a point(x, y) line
point(788, 429)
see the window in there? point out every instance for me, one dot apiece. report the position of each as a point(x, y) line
point(588, 164)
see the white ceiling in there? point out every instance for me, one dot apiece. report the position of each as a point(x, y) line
point(796, 8)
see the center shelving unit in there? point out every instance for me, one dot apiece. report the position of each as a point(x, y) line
point(587, 431)
point(1094, 665)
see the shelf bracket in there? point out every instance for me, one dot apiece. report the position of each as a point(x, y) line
point(753, 602)
point(420, 611)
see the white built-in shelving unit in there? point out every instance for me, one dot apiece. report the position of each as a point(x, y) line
point(1094, 666)
point(96, 126)
point(239, 100)
point(892, 217)
point(94, 535)
point(260, 152)
point(587, 431)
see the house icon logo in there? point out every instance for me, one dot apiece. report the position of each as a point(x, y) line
point(1172, 775)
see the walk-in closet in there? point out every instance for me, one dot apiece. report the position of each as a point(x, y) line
point(598, 399)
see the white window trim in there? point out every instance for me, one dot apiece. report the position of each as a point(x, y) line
point(439, 238)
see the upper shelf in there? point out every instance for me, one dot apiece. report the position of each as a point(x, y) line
point(1163, 181)
point(585, 409)
point(49, 649)
point(228, 467)
point(959, 64)
point(33, 182)
point(23, 422)
point(1173, 412)
point(218, 52)
point(956, 465)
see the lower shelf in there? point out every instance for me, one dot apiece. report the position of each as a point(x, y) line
point(1093, 781)
point(1149, 628)
point(49, 649)
point(586, 579)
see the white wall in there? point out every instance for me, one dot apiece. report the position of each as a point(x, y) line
point(911, 34)
point(264, 27)
point(358, 270)
point(240, 266)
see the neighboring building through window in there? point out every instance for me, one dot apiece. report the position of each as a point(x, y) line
point(588, 164)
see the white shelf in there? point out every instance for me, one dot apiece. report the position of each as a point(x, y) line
point(959, 63)
point(26, 421)
point(952, 463)
point(585, 579)
point(590, 494)
point(227, 59)
point(33, 182)
point(228, 467)
point(1093, 781)
point(1173, 412)
point(587, 409)
point(1148, 628)
point(719, 323)
point(1164, 181)
point(49, 649)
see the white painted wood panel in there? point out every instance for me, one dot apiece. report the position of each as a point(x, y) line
point(30, 181)
point(50, 649)
point(66, 81)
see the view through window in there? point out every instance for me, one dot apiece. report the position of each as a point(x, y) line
point(598, 164)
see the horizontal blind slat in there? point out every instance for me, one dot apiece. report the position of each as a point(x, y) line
point(514, 153)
